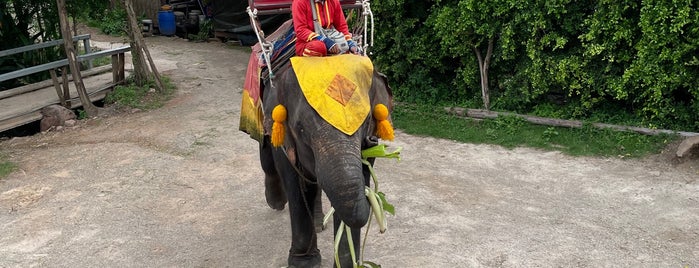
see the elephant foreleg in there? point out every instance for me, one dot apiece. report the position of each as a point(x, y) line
point(274, 188)
point(301, 197)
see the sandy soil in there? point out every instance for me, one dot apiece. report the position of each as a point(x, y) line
point(181, 187)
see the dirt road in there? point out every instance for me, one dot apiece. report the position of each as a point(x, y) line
point(181, 187)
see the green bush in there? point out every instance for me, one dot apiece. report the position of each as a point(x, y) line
point(564, 58)
point(405, 51)
point(110, 21)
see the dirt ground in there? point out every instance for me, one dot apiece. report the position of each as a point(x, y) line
point(181, 187)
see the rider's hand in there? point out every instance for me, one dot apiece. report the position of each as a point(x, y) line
point(334, 49)
point(353, 47)
point(329, 45)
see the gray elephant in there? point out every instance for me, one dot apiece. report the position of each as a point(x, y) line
point(315, 153)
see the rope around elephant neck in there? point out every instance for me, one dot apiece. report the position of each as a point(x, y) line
point(298, 171)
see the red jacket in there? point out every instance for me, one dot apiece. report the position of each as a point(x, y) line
point(329, 14)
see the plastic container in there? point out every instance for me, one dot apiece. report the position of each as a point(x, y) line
point(179, 18)
point(193, 21)
point(166, 20)
point(147, 24)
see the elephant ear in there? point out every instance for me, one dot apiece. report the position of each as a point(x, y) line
point(382, 92)
point(382, 103)
point(384, 78)
point(273, 96)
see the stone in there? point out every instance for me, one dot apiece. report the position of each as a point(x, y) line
point(54, 116)
point(687, 145)
point(70, 123)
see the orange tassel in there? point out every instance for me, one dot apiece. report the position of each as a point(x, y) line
point(383, 127)
point(279, 116)
point(384, 130)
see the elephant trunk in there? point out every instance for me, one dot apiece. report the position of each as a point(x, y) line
point(341, 178)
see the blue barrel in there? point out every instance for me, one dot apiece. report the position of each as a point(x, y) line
point(166, 20)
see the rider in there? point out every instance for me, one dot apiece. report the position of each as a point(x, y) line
point(337, 38)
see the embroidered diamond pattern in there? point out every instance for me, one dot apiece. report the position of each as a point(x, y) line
point(341, 89)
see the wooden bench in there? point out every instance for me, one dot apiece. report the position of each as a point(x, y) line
point(22, 105)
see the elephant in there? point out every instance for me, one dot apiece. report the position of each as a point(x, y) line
point(316, 156)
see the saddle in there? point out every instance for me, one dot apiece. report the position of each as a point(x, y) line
point(335, 86)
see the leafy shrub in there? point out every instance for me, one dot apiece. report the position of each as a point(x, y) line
point(111, 21)
point(586, 59)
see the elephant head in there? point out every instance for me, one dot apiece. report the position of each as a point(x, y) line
point(319, 146)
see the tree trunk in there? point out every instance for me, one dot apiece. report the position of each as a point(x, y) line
point(483, 66)
point(140, 67)
point(485, 114)
point(90, 109)
point(139, 51)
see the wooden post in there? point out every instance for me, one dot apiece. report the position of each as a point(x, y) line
point(122, 73)
point(118, 76)
point(88, 50)
point(57, 85)
point(66, 87)
point(90, 108)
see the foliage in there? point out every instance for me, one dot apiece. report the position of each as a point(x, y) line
point(578, 56)
point(109, 21)
point(89, 9)
point(26, 22)
point(405, 52)
point(513, 132)
point(205, 30)
point(141, 97)
point(648, 51)
point(662, 66)
point(82, 114)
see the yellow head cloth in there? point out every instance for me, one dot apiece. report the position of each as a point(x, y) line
point(337, 87)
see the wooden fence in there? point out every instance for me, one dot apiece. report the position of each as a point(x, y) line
point(22, 105)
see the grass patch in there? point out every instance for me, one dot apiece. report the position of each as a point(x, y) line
point(141, 97)
point(513, 132)
point(6, 167)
